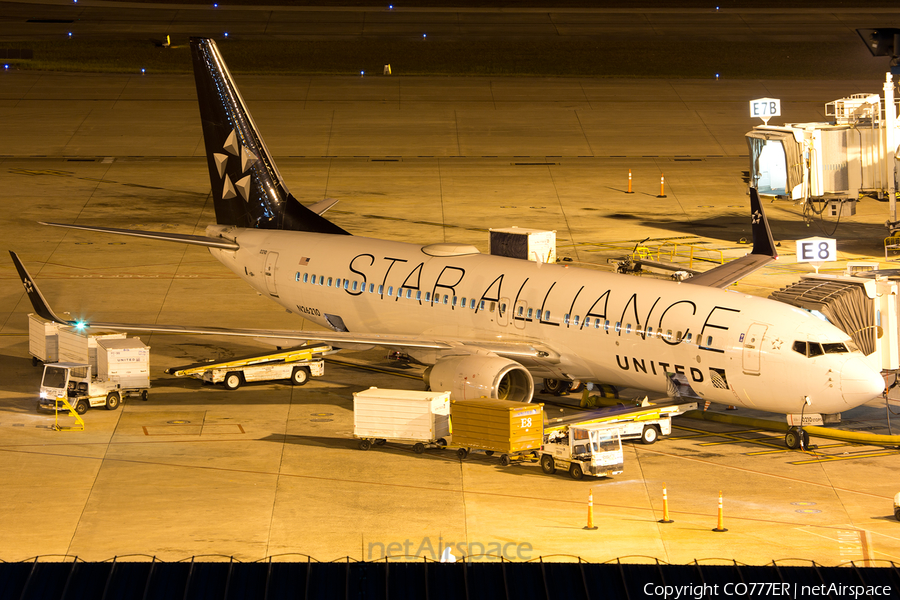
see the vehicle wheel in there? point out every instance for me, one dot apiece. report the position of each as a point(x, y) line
point(34, 361)
point(418, 447)
point(81, 407)
point(232, 381)
point(557, 387)
point(380, 442)
point(792, 438)
point(300, 375)
point(489, 452)
point(462, 453)
point(145, 394)
point(442, 442)
point(504, 460)
point(576, 387)
point(649, 435)
point(364, 444)
point(547, 464)
point(897, 513)
point(576, 472)
point(113, 399)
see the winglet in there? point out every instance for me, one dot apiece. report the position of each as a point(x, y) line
point(763, 243)
point(762, 254)
point(41, 307)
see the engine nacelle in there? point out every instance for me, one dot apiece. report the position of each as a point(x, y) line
point(477, 376)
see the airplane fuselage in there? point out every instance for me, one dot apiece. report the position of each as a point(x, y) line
point(623, 330)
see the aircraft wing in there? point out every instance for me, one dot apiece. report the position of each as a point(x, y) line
point(195, 240)
point(514, 350)
point(762, 254)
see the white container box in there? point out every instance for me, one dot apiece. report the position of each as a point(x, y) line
point(43, 339)
point(401, 415)
point(531, 244)
point(124, 361)
point(78, 346)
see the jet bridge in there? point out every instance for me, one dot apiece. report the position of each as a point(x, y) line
point(830, 165)
point(865, 307)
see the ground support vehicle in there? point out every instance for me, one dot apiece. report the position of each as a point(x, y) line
point(410, 417)
point(123, 369)
point(594, 449)
point(297, 365)
point(512, 429)
point(647, 422)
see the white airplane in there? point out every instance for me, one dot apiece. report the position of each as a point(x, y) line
point(488, 325)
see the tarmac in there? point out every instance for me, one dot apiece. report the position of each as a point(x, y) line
point(271, 470)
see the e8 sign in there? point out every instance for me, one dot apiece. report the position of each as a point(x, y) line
point(816, 249)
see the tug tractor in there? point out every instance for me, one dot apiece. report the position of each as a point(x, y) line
point(74, 382)
point(593, 449)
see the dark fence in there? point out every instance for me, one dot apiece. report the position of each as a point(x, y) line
point(271, 580)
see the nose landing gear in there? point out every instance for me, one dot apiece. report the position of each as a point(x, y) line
point(796, 438)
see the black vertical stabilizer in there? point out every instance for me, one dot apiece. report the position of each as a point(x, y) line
point(763, 243)
point(246, 186)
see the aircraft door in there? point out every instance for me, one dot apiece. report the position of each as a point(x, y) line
point(503, 309)
point(752, 344)
point(269, 273)
point(520, 312)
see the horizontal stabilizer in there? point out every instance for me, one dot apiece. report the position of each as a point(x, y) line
point(195, 240)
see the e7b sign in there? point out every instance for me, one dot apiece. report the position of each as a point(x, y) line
point(765, 108)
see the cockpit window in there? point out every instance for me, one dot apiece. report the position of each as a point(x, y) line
point(836, 348)
point(813, 349)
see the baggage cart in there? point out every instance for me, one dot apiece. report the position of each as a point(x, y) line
point(406, 416)
point(512, 429)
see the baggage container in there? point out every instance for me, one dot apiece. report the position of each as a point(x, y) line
point(503, 426)
point(124, 361)
point(422, 418)
point(43, 339)
point(80, 347)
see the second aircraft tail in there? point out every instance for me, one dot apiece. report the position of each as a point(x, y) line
point(247, 189)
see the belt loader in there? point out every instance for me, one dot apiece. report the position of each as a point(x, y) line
point(297, 365)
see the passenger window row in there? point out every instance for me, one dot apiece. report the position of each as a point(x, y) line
point(407, 293)
point(626, 328)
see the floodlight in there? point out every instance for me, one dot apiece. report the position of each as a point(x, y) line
point(882, 42)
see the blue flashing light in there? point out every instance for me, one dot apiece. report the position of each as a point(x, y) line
point(390, 7)
point(143, 71)
point(226, 34)
point(80, 325)
point(6, 66)
point(362, 72)
point(215, 6)
point(424, 35)
point(70, 34)
point(717, 75)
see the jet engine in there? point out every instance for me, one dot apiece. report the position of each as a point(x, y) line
point(477, 375)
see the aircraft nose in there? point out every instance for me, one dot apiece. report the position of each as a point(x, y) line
point(860, 382)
